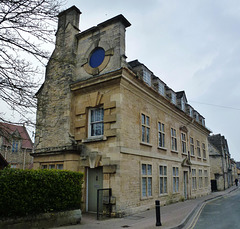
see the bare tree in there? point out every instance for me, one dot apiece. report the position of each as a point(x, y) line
point(25, 26)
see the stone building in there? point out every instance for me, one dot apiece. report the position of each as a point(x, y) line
point(117, 122)
point(220, 162)
point(238, 169)
point(16, 146)
point(234, 170)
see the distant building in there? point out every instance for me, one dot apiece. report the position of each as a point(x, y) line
point(116, 122)
point(238, 169)
point(220, 162)
point(234, 170)
point(16, 145)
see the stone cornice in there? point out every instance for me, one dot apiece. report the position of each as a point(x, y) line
point(56, 150)
point(131, 78)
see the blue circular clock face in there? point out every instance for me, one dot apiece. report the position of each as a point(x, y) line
point(97, 57)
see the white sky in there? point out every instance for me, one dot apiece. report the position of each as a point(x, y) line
point(192, 45)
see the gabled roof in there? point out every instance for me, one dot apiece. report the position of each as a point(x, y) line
point(9, 130)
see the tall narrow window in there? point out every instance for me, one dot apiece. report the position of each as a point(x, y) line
point(183, 139)
point(191, 146)
point(162, 179)
point(204, 150)
point(194, 179)
point(96, 126)
point(173, 140)
point(206, 177)
point(200, 178)
point(198, 149)
point(146, 180)
point(145, 128)
point(14, 146)
point(161, 135)
point(175, 179)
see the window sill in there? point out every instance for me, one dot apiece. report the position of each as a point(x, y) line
point(94, 139)
point(204, 159)
point(162, 148)
point(173, 151)
point(192, 156)
point(163, 194)
point(176, 193)
point(146, 144)
point(199, 158)
point(184, 154)
point(147, 198)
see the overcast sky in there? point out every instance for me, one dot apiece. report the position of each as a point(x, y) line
point(191, 45)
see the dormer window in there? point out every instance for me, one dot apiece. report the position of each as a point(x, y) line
point(147, 78)
point(174, 99)
point(161, 89)
point(190, 111)
point(203, 121)
point(196, 116)
point(172, 96)
point(182, 105)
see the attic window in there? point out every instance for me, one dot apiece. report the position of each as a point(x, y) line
point(182, 104)
point(190, 111)
point(173, 98)
point(161, 89)
point(147, 78)
point(197, 117)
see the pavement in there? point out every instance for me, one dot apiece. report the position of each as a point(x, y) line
point(175, 216)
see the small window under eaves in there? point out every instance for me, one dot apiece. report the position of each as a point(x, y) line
point(147, 78)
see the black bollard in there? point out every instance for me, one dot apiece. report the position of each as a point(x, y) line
point(158, 216)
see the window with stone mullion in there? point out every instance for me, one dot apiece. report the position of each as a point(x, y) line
point(146, 180)
point(183, 139)
point(162, 179)
point(175, 179)
point(191, 146)
point(173, 140)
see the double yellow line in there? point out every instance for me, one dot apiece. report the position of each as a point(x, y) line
point(196, 217)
